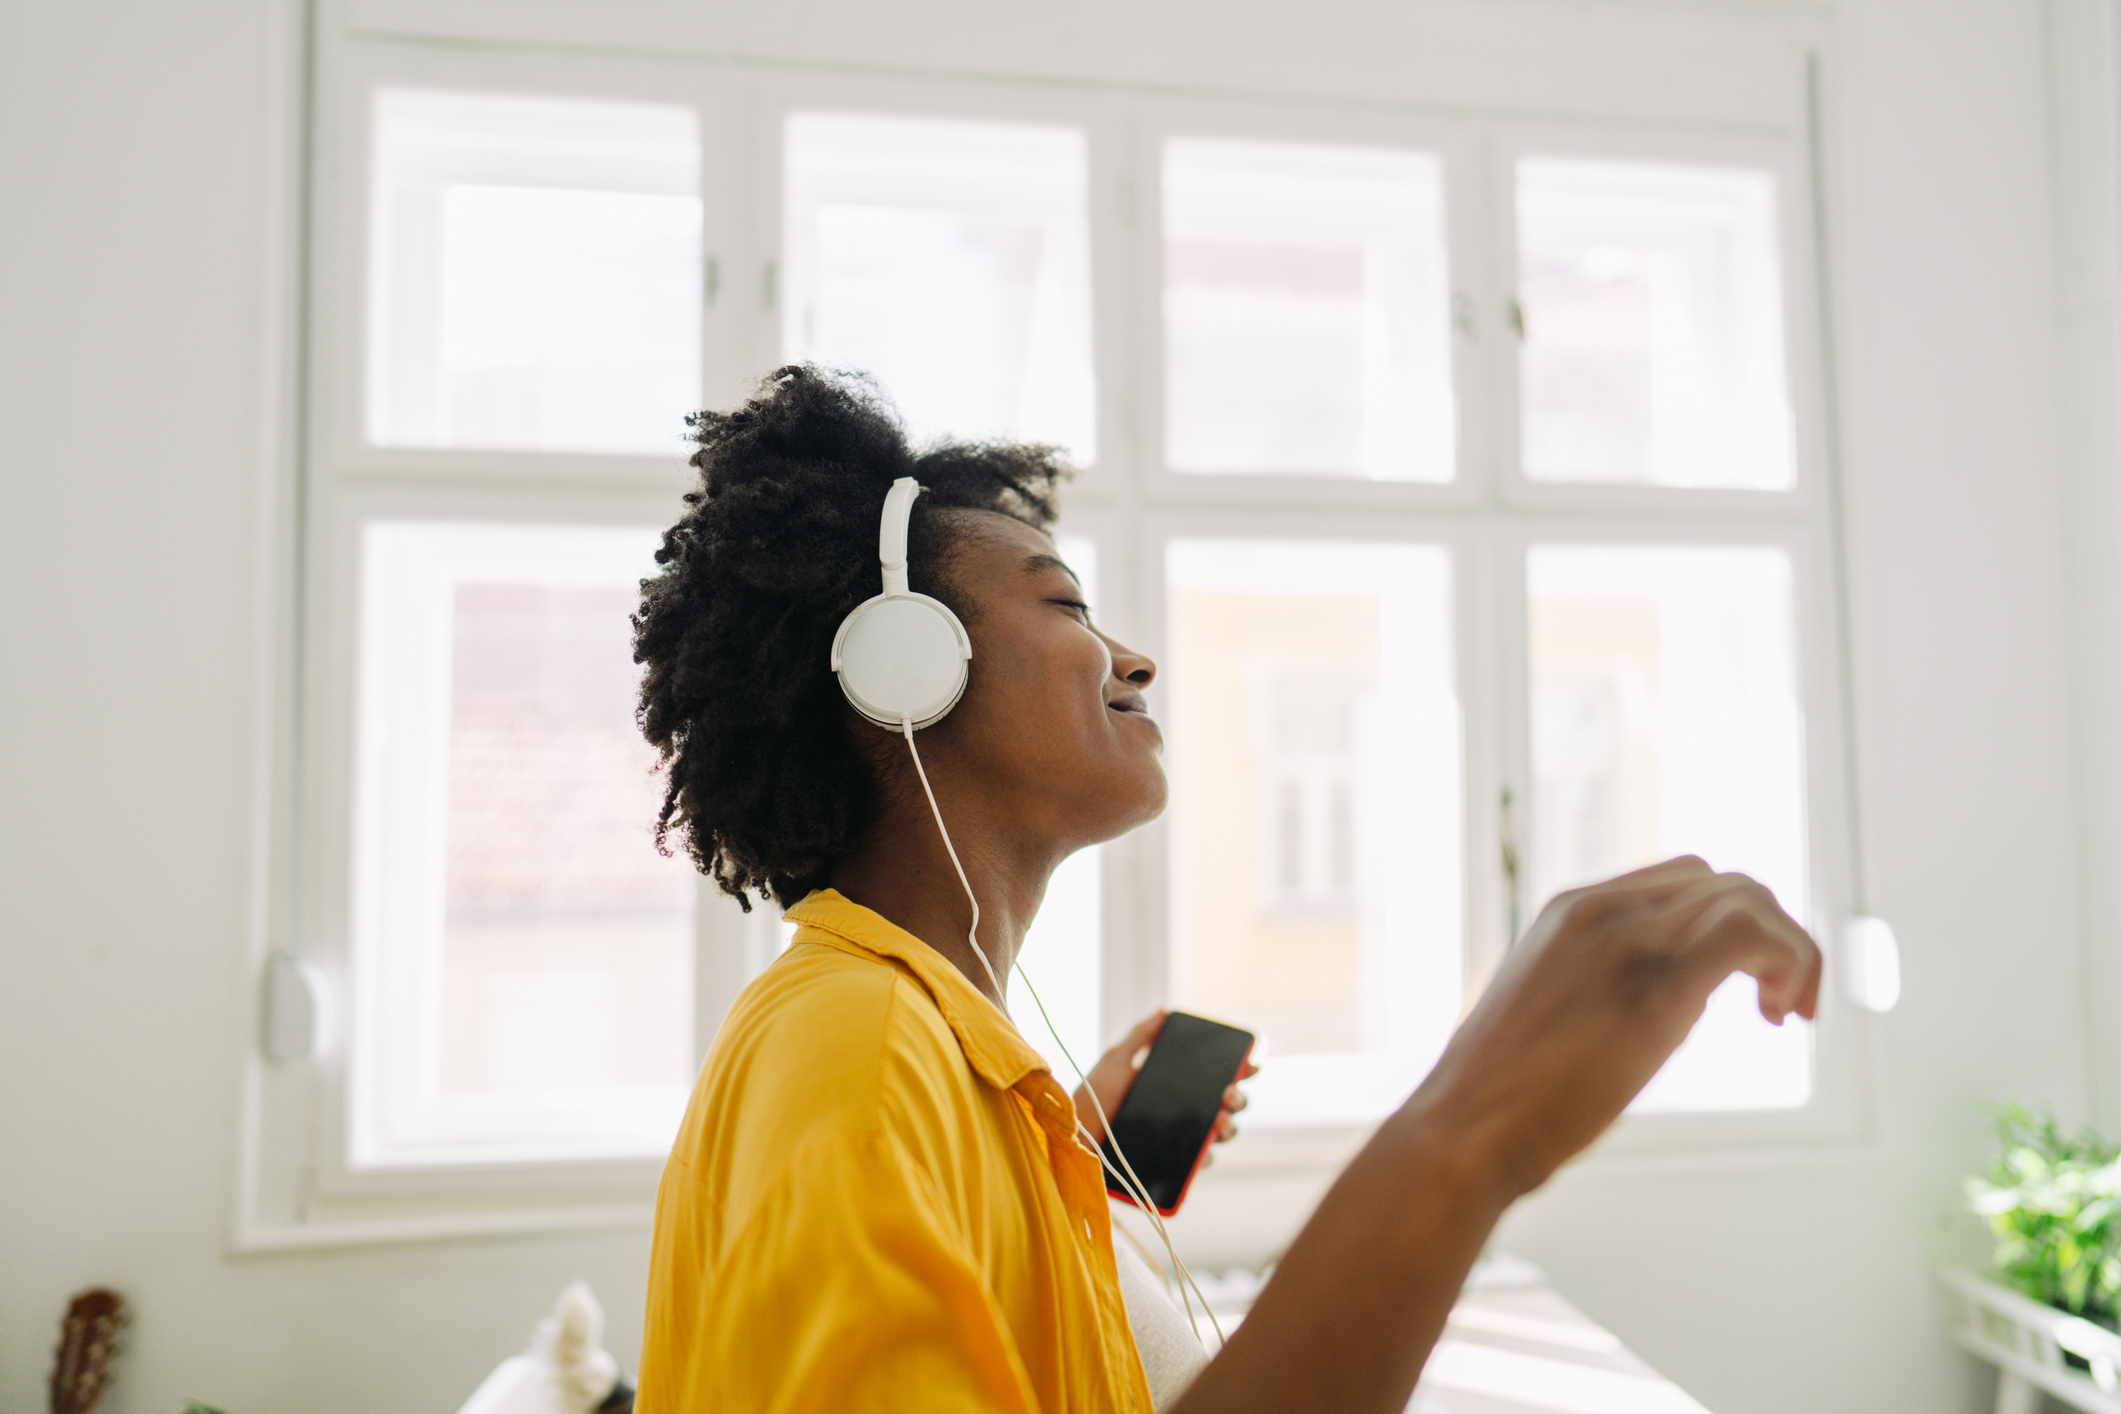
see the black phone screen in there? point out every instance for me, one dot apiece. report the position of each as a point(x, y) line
point(1177, 1095)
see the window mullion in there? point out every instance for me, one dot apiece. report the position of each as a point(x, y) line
point(1125, 217)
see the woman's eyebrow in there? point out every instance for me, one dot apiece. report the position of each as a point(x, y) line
point(1050, 562)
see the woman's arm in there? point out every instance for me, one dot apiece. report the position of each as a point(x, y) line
point(1597, 995)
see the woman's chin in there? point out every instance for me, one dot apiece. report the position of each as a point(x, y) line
point(1124, 805)
point(1152, 794)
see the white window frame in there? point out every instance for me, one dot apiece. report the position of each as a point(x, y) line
point(297, 1188)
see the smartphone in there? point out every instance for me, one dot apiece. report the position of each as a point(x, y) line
point(1168, 1118)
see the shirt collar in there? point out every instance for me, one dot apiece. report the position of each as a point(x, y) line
point(991, 1042)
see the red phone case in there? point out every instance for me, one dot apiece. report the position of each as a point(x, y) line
point(1198, 1159)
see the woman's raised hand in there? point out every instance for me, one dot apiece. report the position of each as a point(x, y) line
point(1601, 990)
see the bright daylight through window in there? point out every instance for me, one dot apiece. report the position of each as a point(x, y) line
point(1305, 325)
point(535, 274)
point(950, 260)
point(1651, 306)
point(526, 957)
point(537, 281)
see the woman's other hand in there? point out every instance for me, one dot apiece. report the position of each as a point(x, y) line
point(1114, 1074)
point(1601, 990)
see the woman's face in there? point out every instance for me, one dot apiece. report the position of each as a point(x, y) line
point(1052, 725)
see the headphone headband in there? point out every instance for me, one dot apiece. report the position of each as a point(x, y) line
point(891, 532)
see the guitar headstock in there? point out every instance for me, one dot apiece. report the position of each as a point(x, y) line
point(88, 1338)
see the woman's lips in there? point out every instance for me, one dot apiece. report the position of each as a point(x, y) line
point(1133, 706)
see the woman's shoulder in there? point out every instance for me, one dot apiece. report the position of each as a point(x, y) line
point(804, 1091)
point(832, 1063)
point(841, 1034)
point(819, 984)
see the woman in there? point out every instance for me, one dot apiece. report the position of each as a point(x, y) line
point(877, 1200)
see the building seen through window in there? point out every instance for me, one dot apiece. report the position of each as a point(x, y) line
point(1316, 887)
point(529, 954)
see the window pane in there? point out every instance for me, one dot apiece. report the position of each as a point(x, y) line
point(1306, 312)
point(534, 278)
point(1665, 721)
point(526, 955)
point(1652, 306)
point(1315, 877)
point(1063, 953)
point(951, 260)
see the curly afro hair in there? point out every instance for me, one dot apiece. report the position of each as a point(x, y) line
point(765, 785)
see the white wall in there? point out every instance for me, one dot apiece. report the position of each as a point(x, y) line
point(2085, 47)
point(135, 202)
point(132, 220)
point(1804, 1288)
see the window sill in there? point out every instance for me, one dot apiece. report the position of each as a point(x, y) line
point(298, 1194)
point(265, 1239)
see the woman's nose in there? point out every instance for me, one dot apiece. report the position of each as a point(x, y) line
point(1130, 666)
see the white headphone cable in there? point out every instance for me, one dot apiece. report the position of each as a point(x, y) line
point(1130, 1182)
point(972, 934)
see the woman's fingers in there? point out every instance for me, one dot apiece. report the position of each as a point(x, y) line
point(1608, 981)
point(1110, 1077)
point(1684, 869)
point(1116, 1067)
point(1143, 1035)
point(1739, 927)
point(1234, 1100)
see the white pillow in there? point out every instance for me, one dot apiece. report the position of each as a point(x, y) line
point(566, 1371)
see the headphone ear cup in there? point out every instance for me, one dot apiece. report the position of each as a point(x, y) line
point(901, 658)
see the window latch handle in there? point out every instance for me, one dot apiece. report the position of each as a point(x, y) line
point(1512, 898)
point(297, 1009)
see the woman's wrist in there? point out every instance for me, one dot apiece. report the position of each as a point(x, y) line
point(1454, 1151)
point(1360, 1297)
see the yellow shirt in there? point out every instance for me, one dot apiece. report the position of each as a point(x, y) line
point(877, 1202)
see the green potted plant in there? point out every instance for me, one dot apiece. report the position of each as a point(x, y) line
point(2052, 1201)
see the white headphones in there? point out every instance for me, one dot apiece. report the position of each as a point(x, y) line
point(901, 656)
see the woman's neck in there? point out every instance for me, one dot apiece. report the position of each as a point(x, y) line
point(903, 872)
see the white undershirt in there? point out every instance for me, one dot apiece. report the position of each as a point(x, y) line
point(1171, 1355)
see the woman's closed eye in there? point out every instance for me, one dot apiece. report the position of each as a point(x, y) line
point(1082, 610)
